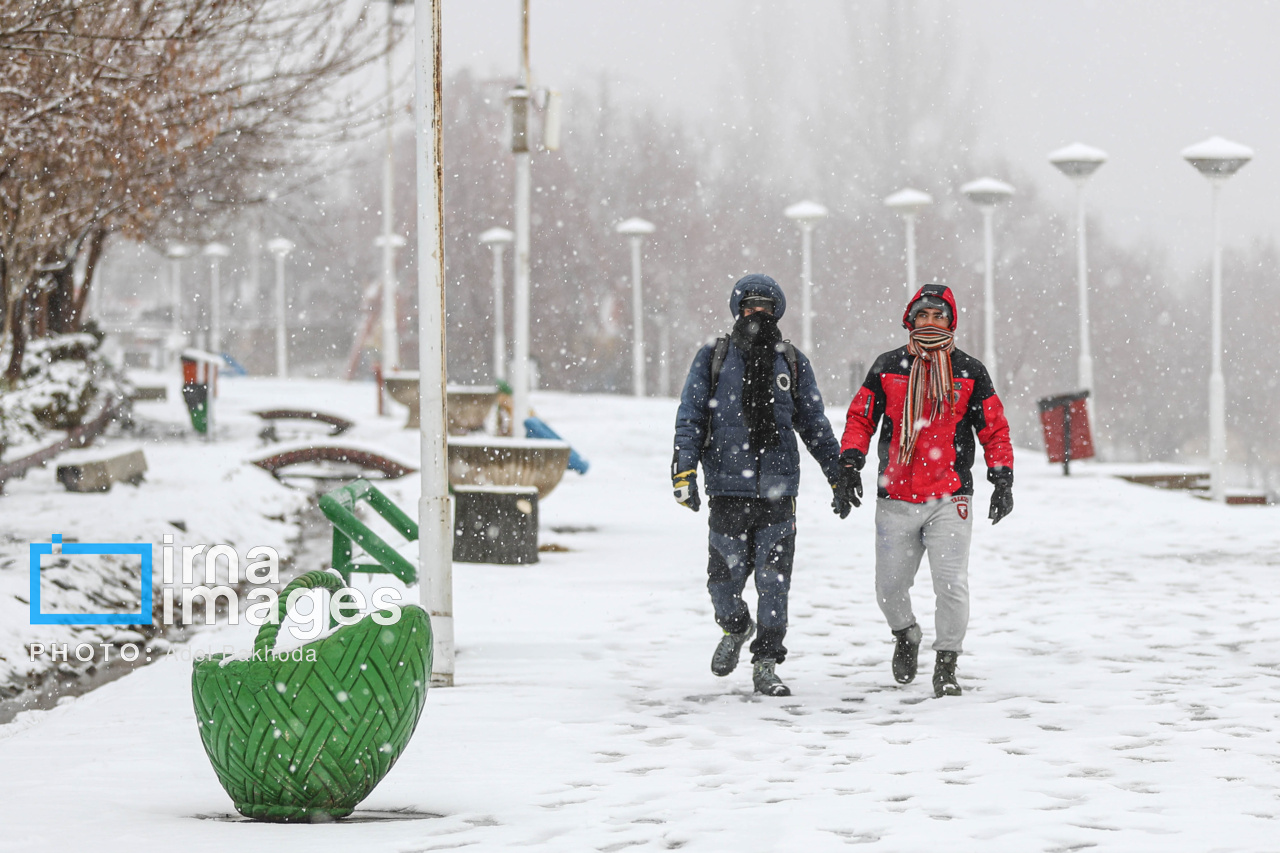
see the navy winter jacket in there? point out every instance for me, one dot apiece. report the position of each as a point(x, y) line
point(731, 467)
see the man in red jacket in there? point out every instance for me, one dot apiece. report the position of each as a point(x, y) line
point(929, 399)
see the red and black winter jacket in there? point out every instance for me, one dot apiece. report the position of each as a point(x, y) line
point(943, 458)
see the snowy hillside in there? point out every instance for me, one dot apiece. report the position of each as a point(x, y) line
point(1120, 677)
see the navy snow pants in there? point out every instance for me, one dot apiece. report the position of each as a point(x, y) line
point(752, 536)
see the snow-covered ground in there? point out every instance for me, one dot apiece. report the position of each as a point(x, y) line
point(1120, 677)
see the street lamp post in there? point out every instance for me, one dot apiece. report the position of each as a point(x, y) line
point(1217, 159)
point(215, 252)
point(519, 98)
point(389, 241)
point(987, 193)
point(280, 247)
point(390, 350)
point(435, 536)
point(909, 202)
point(497, 240)
point(806, 214)
point(664, 349)
point(176, 252)
point(1078, 162)
point(635, 230)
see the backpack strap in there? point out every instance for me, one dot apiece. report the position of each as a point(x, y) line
point(717, 363)
point(793, 364)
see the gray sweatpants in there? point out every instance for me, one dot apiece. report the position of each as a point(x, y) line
point(904, 532)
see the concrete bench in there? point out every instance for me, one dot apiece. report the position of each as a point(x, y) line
point(331, 462)
point(466, 406)
point(98, 475)
point(488, 460)
point(337, 425)
point(146, 393)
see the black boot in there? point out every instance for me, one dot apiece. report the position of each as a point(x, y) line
point(766, 680)
point(725, 659)
point(944, 675)
point(906, 653)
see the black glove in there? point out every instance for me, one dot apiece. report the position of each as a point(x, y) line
point(1002, 497)
point(685, 485)
point(848, 488)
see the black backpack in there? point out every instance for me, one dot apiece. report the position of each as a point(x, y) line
point(717, 363)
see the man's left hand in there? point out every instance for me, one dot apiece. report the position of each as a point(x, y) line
point(1002, 497)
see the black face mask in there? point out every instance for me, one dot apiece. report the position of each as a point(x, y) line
point(754, 330)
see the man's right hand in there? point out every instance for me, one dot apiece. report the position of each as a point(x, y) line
point(685, 485)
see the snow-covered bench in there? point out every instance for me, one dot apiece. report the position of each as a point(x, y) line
point(488, 460)
point(98, 475)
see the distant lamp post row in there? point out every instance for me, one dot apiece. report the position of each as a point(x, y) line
point(215, 252)
point(635, 230)
point(909, 203)
point(986, 193)
point(1217, 159)
point(497, 239)
point(281, 247)
point(1078, 162)
point(806, 215)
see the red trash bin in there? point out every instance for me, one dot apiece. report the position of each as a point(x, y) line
point(1065, 420)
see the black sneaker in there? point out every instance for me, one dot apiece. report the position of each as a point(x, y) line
point(767, 681)
point(906, 653)
point(944, 675)
point(725, 659)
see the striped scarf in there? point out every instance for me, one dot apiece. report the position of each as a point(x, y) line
point(931, 378)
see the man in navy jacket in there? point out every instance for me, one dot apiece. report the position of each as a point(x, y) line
point(745, 398)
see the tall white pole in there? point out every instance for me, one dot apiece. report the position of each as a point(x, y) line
point(282, 339)
point(499, 316)
point(664, 362)
point(637, 321)
point(390, 334)
point(806, 277)
point(215, 309)
point(520, 364)
point(1217, 386)
point(911, 253)
point(435, 531)
point(1085, 366)
point(175, 283)
point(988, 293)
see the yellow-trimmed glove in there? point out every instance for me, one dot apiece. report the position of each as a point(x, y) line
point(685, 485)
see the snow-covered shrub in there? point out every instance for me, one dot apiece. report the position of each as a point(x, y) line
point(58, 379)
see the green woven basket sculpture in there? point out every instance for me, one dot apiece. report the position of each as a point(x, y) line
point(306, 740)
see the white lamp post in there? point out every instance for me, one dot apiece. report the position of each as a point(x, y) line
point(215, 252)
point(1217, 159)
point(1078, 162)
point(635, 230)
point(497, 240)
point(664, 347)
point(389, 241)
point(519, 98)
point(280, 247)
point(806, 214)
point(909, 202)
point(987, 193)
point(435, 532)
point(176, 252)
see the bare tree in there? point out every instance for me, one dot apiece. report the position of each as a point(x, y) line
point(147, 118)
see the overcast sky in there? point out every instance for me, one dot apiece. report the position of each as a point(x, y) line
point(1140, 79)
